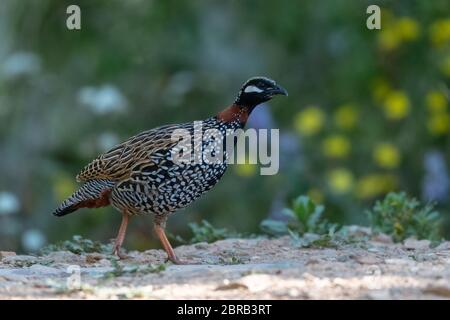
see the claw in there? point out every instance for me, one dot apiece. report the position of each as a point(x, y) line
point(116, 252)
point(177, 261)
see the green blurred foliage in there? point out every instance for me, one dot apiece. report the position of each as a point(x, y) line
point(402, 217)
point(365, 107)
point(304, 216)
point(205, 232)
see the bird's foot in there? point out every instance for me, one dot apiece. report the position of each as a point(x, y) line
point(116, 252)
point(177, 261)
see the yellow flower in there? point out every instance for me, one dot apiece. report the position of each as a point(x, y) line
point(394, 32)
point(246, 169)
point(396, 105)
point(346, 117)
point(439, 123)
point(436, 101)
point(388, 39)
point(440, 32)
point(380, 90)
point(316, 195)
point(373, 185)
point(386, 155)
point(309, 121)
point(340, 180)
point(407, 29)
point(336, 146)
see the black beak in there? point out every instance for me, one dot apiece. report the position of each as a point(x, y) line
point(279, 90)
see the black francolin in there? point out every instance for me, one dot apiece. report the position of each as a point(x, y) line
point(140, 175)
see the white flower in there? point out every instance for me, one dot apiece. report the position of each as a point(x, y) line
point(102, 100)
point(21, 63)
point(33, 240)
point(8, 203)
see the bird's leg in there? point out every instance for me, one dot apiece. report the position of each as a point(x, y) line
point(121, 236)
point(159, 230)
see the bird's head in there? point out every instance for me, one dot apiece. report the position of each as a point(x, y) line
point(258, 90)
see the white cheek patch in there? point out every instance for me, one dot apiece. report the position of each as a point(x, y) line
point(252, 89)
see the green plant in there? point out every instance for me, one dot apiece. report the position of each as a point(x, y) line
point(329, 240)
point(119, 270)
point(205, 232)
point(401, 217)
point(77, 245)
point(333, 239)
point(304, 217)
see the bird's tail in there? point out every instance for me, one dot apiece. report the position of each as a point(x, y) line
point(92, 194)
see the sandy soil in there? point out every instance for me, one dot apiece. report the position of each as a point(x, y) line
point(373, 268)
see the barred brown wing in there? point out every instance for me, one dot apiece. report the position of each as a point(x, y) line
point(117, 163)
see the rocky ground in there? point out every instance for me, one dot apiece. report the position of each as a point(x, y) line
point(371, 268)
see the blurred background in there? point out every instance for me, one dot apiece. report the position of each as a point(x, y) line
point(367, 112)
